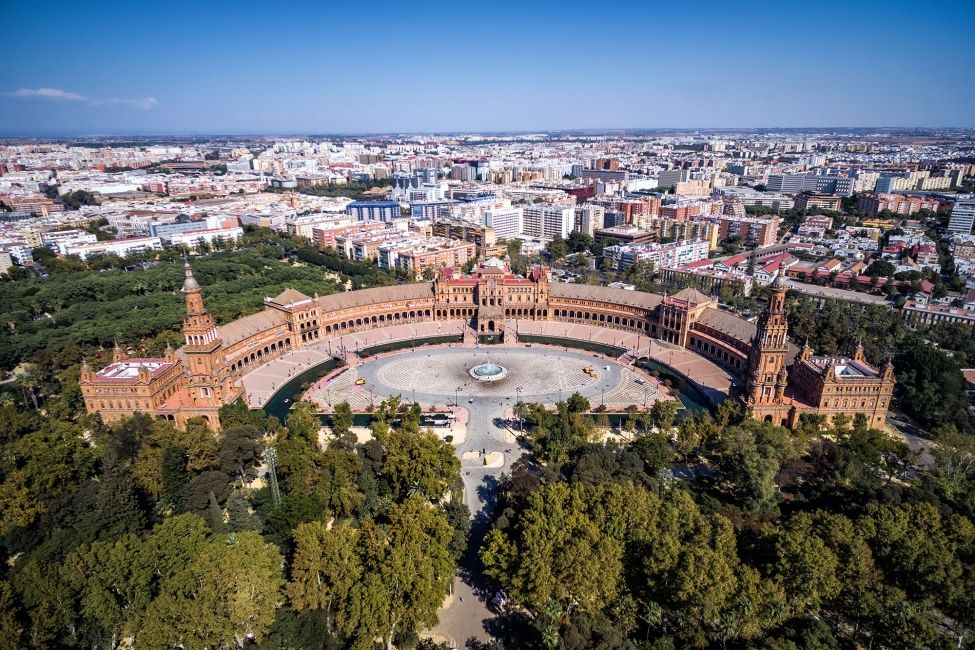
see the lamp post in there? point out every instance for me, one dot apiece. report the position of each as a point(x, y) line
point(456, 397)
point(520, 428)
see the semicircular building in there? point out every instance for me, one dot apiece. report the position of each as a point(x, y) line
point(776, 379)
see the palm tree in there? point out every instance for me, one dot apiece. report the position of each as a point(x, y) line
point(521, 411)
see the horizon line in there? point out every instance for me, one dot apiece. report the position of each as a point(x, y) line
point(519, 131)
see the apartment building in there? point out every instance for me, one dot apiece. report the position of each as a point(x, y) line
point(810, 201)
point(483, 237)
point(681, 229)
point(548, 221)
point(896, 203)
point(962, 216)
point(324, 235)
point(623, 256)
point(588, 218)
point(760, 231)
point(506, 222)
point(121, 247)
point(373, 210)
point(417, 257)
point(820, 184)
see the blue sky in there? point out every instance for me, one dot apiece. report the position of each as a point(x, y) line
point(313, 67)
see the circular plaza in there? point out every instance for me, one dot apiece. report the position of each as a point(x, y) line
point(443, 376)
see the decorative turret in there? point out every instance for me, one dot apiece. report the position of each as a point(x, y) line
point(806, 353)
point(888, 374)
point(118, 354)
point(191, 292)
point(858, 352)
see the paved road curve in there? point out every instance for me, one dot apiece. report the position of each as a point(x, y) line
point(535, 371)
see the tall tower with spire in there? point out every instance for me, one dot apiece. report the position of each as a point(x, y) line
point(767, 375)
point(209, 382)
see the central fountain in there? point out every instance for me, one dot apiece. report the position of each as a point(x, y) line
point(488, 371)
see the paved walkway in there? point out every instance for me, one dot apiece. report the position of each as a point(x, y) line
point(714, 380)
point(261, 383)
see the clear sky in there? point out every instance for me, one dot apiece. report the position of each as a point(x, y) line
point(173, 67)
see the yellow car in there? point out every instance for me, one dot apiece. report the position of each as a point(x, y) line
point(360, 381)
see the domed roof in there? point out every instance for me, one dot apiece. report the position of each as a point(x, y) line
point(493, 262)
point(190, 283)
point(779, 282)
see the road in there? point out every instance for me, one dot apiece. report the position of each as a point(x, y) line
point(535, 371)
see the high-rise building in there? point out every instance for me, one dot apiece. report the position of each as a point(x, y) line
point(507, 222)
point(962, 216)
point(548, 221)
point(588, 217)
point(822, 184)
point(373, 210)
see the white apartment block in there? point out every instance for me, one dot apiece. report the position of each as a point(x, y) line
point(121, 247)
point(507, 222)
point(192, 239)
point(623, 256)
point(548, 221)
point(962, 216)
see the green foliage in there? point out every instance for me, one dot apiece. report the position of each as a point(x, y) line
point(930, 386)
point(388, 577)
point(88, 309)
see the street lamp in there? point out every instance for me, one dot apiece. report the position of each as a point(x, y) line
point(457, 397)
point(520, 428)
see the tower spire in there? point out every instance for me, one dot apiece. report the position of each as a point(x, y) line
point(191, 292)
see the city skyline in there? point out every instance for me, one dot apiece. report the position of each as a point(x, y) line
point(346, 70)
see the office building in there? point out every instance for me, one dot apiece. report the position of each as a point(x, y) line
point(796, 183)
point(962, 216)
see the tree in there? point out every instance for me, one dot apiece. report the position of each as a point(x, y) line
point(342, 421)
point(214, 514)
point(325, 569)
point(114, 580)
point(174, 476)
point(239, 515)
point(556, 249)
point(579, 241)
point(240, 451)
point(196, 494)
point(381, 581)
point(227, 594)
point(663, 412)
point(418, 462)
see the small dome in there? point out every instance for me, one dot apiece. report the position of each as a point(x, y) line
point(190, 283)
point(779, 282)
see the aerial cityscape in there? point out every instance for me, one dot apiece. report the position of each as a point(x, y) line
point(359, 327)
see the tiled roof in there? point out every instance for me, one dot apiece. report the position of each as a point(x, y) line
point(692, 295)
point(289, 296)
point(735, 327)
point(604, 294)
point(364, 297)
point(248, 326)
